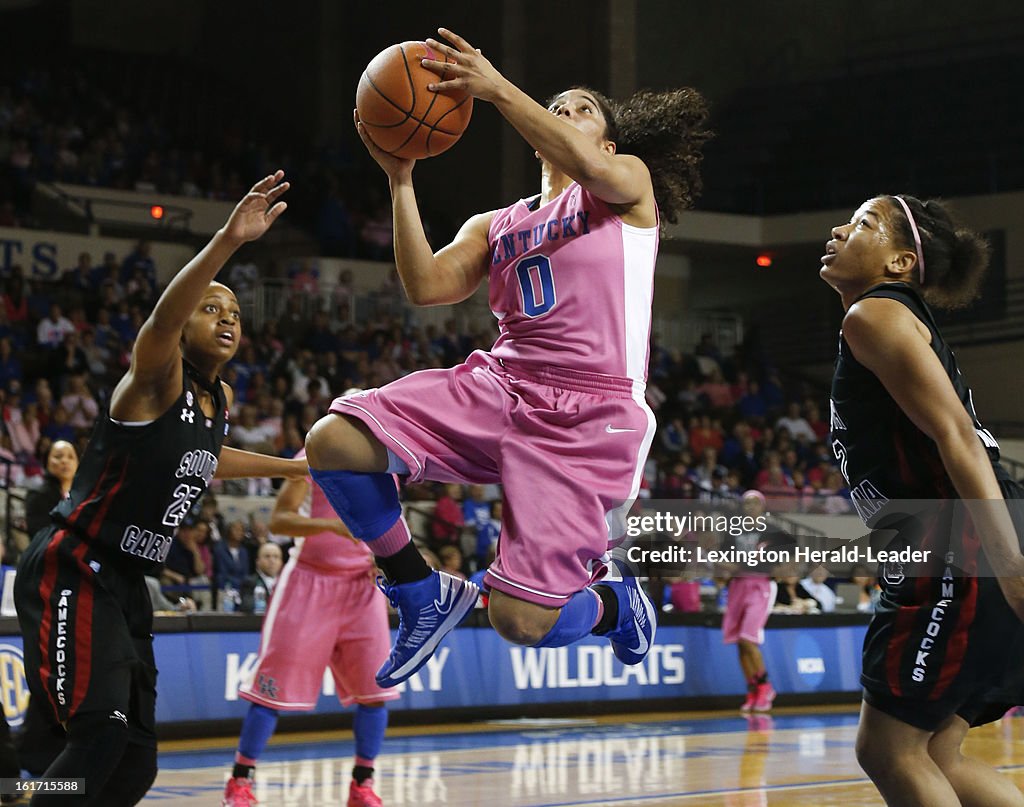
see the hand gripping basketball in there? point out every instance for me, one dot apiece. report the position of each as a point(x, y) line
point(400, 112)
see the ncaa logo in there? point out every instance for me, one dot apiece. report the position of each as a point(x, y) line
point(810, 663)
point(13, 686)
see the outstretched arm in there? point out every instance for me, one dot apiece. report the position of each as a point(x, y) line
point(455, 272)
point(234, 463)
point(616, 178)
point(155, 372)
point(884, 337)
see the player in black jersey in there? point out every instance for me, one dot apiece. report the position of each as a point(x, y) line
point(82, 601)
point(942, 651)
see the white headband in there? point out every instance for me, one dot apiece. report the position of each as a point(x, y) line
point(917, 236)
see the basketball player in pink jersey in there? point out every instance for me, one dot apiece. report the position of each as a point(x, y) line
point(751, 596)
point(555, 412)
point(325, 612)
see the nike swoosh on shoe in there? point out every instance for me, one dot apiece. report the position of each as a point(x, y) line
point(642, 644)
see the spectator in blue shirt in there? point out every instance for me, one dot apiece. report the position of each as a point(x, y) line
point(487, 536)
point(231, 558)
point(475, 510)
point(139, 258)
point(59, 428)
point(753, 404)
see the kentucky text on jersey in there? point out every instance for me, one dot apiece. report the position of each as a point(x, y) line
point(511, 245)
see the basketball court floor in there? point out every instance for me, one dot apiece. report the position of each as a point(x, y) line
point(793, 757)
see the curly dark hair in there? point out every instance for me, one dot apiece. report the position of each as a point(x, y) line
point(666, 130)
point(955, 258)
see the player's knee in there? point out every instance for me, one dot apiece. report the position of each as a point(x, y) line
point(749, 649)
point(515, 623)
point(340, 443)
point(945, 748)
point(867, 755)
point(323, 441)
point(516, 629)
point(876, 758)
point(945, 756)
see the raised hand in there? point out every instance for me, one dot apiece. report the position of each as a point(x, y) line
point(393, 166)
point(471, 72)
point(258, 209)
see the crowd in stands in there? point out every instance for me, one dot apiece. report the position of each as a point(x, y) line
point(727, 424)
point(58, 125)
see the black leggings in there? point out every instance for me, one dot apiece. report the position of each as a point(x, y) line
point(117, 771)
point(9, 766)
point(40, 739)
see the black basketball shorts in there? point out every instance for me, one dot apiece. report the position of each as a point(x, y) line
point(87, 630)
point(938, 647)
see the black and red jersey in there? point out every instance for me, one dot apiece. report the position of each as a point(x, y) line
point(137, 481)
point(882, 454)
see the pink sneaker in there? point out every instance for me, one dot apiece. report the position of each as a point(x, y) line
point(748, 704)
point(238, 793)
point(763, 697)
point(363, 795)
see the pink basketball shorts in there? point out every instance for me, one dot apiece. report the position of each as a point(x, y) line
point(316, 620)
point(750, 603)
point(567, 447)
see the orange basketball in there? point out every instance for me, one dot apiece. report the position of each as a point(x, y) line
point(403, 117)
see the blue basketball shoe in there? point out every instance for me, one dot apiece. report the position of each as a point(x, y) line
point(427, 610)
point(633, 636)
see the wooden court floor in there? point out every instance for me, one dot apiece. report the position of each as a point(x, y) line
point(794, 757)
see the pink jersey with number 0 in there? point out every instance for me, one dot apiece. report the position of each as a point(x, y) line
point(567, 300)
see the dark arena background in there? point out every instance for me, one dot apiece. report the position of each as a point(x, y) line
point(129, 130)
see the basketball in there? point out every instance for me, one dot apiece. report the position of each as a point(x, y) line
point(403, 117)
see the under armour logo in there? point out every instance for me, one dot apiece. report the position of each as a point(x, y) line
point(189, 415)
point(836, 422)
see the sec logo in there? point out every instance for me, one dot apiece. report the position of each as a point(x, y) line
point(13, 686)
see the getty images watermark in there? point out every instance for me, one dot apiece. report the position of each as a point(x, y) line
point(766, 551)
point(900, 539)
